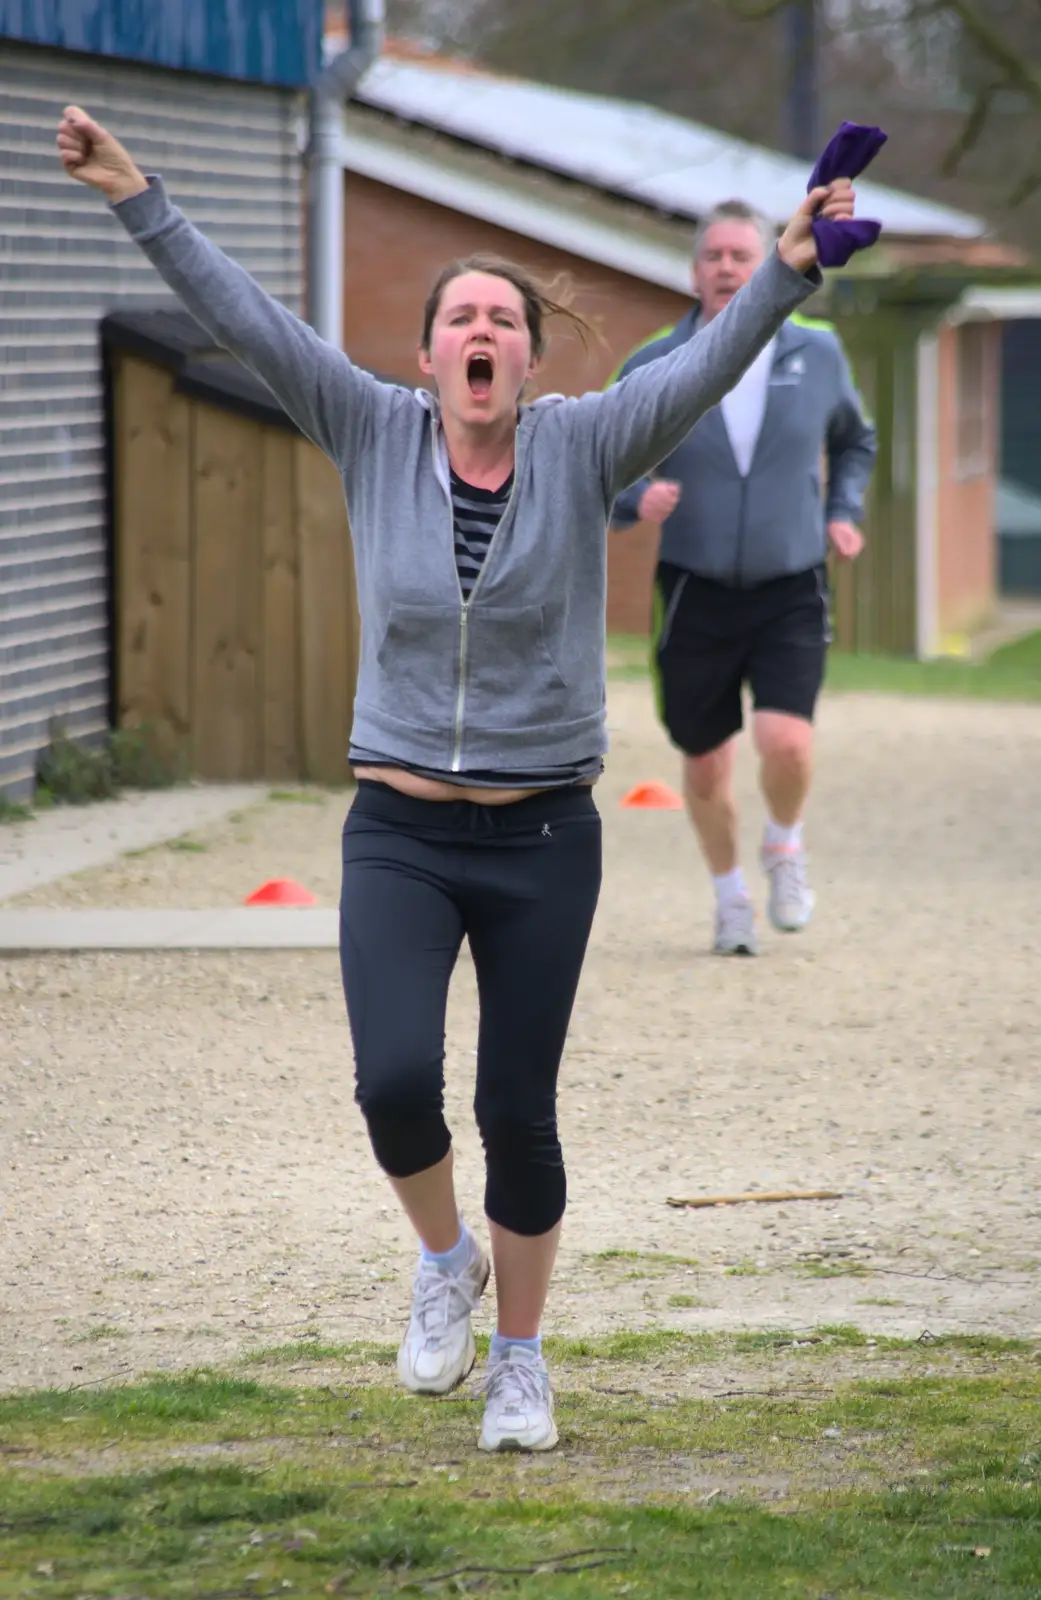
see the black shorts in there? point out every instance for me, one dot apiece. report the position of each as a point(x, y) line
point(711, 639)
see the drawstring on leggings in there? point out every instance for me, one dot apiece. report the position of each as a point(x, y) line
point(482, 818)
point(486, 819)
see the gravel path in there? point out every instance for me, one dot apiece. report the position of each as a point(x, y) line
point(186, 1176)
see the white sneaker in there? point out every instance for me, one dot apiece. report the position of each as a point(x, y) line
point(791, 898)
point(735, 928)
point(518, 1407)
point(438, 1349)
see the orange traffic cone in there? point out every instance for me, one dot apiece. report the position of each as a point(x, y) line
point(281, 892)
point(652, 796)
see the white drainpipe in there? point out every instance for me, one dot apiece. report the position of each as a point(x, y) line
point(365, 21)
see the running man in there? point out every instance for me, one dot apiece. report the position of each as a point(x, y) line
point(480, 541)
point(741, 586)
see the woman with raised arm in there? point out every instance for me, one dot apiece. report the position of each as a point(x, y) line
point(480, 542)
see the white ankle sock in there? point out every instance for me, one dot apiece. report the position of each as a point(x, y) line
point(500, 1343)
point(779, 837)
point(731, 886)
point(451, 1261)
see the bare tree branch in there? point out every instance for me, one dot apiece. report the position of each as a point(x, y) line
point(1014, 70)
point(756, 10)
point(1024, 189)
point(987, 37)
point(1006, 44)
point(971, 130)
point(569, 1561)
point(729, 64)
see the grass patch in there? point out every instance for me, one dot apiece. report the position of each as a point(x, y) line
point(210, 1485)
point(1011, 673)
point(672, 1346)
point(662, 1346)
point(187, 844)
point(102, 1330)
point(654, 1258)
point(643, 1265)
point(1002, 677)
point(832, 1269)
point(1020, 655)
point(14, 811)
point(628, 656)
point(296, 797)
point(317, 1352)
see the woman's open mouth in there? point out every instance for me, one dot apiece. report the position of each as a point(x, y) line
point(479, 375)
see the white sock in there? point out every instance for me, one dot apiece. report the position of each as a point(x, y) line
point(731, 886)
point(455, 1260)
point(500, 1343)
point(779, 837)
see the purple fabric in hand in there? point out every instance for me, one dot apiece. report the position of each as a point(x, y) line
point(847, 154)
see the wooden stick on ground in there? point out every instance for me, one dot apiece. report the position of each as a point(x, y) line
point(740, 1199)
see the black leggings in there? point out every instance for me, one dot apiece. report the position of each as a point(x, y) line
point(520, 882)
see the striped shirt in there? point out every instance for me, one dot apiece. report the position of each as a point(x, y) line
point(476, 513)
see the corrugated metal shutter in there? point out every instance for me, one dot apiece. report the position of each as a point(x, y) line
point(229, 153)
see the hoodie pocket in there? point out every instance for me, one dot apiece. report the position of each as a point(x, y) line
point(418, 658)
point(512, 678)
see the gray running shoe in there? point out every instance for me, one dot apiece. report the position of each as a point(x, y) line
point(791, 898)
point(438, 1349)
point(518, 1406)
point(735, 929)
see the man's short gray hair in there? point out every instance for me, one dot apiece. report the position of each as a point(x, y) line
point(736, 211)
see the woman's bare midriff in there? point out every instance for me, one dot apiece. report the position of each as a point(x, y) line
point(434, 789)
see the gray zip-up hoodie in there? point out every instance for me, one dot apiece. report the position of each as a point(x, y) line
point(514, 679)
point(746, 529)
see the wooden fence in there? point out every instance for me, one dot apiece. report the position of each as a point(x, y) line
point(875, 597)
point(236, 624)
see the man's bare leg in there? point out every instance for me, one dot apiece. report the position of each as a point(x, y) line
point(708, 785)
point(785, 746)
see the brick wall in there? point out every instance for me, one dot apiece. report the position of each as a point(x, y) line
point(395, 246)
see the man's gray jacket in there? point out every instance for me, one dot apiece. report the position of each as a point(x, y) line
point(744, 531)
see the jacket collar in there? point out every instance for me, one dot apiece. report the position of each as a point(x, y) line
point(788, 338)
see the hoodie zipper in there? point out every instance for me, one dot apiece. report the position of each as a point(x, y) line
point(464, 605)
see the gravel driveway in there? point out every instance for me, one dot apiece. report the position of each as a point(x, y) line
point(185, 1176)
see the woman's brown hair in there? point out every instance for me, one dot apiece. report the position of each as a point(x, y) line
point(541, 301)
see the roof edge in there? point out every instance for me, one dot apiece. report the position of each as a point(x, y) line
point(535, 217)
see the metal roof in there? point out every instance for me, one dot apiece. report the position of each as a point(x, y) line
point(624, 148)
point(261, 41)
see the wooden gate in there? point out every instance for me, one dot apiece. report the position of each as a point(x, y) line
point(236, 622)
point(875, 606)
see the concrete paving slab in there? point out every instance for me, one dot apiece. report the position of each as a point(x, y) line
point(73, 838)
point(237, 928)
